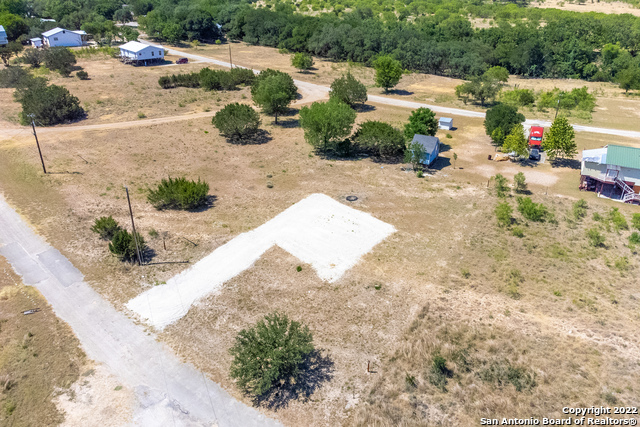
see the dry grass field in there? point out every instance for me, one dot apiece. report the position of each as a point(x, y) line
point(526, 325)
point(39, 356)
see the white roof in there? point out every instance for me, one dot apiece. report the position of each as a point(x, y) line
point(81, 32)
point(35, 39)
point(58, 29)
point(1, 29)
point(599, 155)
point(446, 119)
point(135, 46)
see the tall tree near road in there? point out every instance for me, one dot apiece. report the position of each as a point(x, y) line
point(388, 72)
point(348, 90)
point(273, 94)
point(326, 124)
point(500, 120)
point(423, 122)
point(559, 141)
point(516, 142)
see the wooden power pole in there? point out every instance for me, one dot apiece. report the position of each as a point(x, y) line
point(133, 226)
point(33, 126)
point(230, 60)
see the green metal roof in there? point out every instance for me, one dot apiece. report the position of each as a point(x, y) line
point(627, 157)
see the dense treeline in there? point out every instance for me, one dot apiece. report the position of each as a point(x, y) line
point(436, 38)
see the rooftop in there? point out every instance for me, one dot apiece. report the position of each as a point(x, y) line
point(134, 46)
point(428, 142)
point(618, 155)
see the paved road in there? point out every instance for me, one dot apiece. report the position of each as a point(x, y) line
point(307, 87)
point(169, 392)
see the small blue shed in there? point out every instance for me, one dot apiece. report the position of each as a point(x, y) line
point(431, 146)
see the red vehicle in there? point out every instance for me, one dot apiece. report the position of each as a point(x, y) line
point(535, 136)
point(182, 61)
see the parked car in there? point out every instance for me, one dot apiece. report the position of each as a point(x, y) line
point(535, 136)
point(182, 61)
point(534, 154)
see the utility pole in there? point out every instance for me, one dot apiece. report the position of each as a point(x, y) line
point(33, 126)
point(230, 60)
point(557, 106)
point(133, 226)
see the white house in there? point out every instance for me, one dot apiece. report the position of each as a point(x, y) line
point(612, 171)
point(61, 37)
point(141, 54)
point(36, 42)
point(445, 123)
point(3, 36)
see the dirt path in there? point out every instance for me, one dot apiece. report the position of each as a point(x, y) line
point(168, 392)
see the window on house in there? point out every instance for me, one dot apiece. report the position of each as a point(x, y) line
point(152, 53)
point(160, 52)
point(55, 39)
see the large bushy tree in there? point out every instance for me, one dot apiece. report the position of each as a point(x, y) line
point(302, 61)
point(380, 139)
point(273, 91)
point(270, 353)
point(559, 140)
point(388, 72)
point(326, 124)
point(423, 122)
point(60, 59)
point(516, 142)
point(348, 90)
point(48, 105)
point(500, 120)
point(9, 50)
point(485, 87)
point(179, 193)
point(238, 121)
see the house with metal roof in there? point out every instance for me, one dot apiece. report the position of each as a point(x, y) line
point(612, 171)
point(61, 37)
point(431, 146)
point(141, 54)
point(3, 36)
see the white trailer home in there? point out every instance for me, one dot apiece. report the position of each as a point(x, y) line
point(61, 37)
point(141, 54)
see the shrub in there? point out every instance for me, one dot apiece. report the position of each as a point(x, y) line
point(503, 213)
point(504, 373)
point(302, 61)
point(380, 139)
point(242, 76)
point(502, 189)
point(106, 227)
point(519, 183)
point(214, 79)
point(13, 77)
point(634, 238)
point(269, 353)
point(123, 245)
point(635, 221)
point(165, 82)
point(580, 209)
point(33, 57)
point(82, 75)
point(141, 115)
point(596, 239)
point(60, 59)
point(179, 193)
point(532, 211)
point(518, 97)
point(439, 372)
point(348, 90)
point(237, 121)
point(50, 105)
point(518, 232)
point(618, 220)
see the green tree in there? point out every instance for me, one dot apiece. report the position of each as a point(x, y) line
point(302, 61)
point(348, 90)
point(516, 142)
point(388, 72)
point(123, 245)
point(33, 57)
point(559, 141)
point(423, 122)
point(502, 188)
point(274, 92)
point(503, 213)
point(519, 183)
point(380, 139)
point(485, 87)
point(9, 50)
point(270, 353)
point(504, 117)
point(629, 78)
point(179, 193)
point(237, 121)
point(532, 211)
point(49, 105)
point(415, 154)
point(123, 15)
point(326, 124)
point(173, 33)
point(60, 59)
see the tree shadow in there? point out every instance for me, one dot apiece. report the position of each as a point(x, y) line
point(388, 160)
point(315, 370)
point(528, 163)
point(364, 108)
point(208, 204)
point(289, 123)
point(400, 92)
point(261, 136)
point(565, 163)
